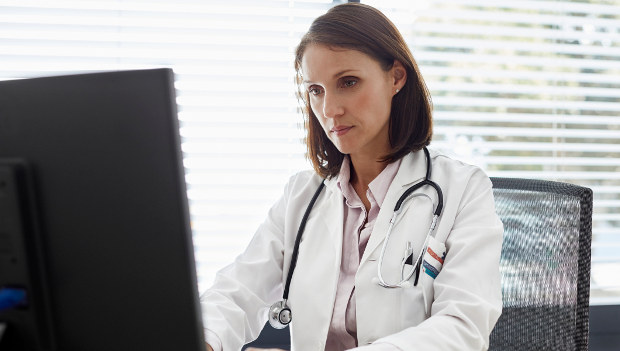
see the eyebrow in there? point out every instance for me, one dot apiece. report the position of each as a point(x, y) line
point(305, 81)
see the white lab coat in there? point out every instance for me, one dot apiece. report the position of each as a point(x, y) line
point(455, 311)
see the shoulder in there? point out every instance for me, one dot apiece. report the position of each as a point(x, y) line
point(302, 183)
point(444, 161)
point(461, 182)
point(451, 170)
point(303, 179)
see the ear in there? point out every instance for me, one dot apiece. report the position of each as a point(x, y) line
point(399, 74)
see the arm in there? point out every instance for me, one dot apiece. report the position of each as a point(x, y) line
point(235, 306)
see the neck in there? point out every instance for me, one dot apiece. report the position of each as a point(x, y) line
point(364, 171)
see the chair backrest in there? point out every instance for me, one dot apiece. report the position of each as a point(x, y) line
point(545, 265)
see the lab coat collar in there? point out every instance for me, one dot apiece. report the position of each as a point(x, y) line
point(331, 184)
point(412, 169)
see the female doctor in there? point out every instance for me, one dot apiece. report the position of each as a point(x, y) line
point(399, 250)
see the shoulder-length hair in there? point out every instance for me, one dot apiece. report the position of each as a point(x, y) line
point(363, 28)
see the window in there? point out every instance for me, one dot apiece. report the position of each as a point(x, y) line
point(529, 89)
point(523, 89)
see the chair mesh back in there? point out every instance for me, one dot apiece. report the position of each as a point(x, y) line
point(545, 265)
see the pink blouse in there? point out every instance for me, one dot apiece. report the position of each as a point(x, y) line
point(358, 225)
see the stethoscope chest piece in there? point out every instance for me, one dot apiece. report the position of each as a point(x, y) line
point(280, 315)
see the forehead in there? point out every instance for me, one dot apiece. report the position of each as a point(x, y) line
point(321, 62)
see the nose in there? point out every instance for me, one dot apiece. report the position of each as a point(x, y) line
point(332, 105)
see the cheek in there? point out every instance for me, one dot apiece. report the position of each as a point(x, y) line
point(375, 100)
point(316, 110)
point(366, 100)
point(365, 97)
point(322, 123)
point(315, 107)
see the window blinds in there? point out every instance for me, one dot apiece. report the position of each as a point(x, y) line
point(241, 135)
point(523, 89)
point(529, 89)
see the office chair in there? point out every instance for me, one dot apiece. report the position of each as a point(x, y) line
point(545, 265)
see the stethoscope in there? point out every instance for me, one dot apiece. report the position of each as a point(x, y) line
point(280, 313)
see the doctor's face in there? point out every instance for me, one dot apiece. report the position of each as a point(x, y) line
point(351, 96)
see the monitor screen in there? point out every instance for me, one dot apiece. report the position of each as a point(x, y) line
point(94, 219)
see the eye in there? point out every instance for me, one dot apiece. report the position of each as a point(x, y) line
point(315, 90)
point(348, 82)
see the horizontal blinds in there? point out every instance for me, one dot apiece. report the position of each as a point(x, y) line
point(233, 60)
point(529, 89)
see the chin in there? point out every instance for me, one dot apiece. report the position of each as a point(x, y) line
point(346, 147)
point(343, 150)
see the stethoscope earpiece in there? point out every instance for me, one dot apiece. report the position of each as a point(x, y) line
point(280, 315)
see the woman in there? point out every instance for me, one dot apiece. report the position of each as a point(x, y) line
point(368, 120)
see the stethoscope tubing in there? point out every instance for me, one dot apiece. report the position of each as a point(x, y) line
point(300, 231)
point(282, 305)
point(416, 265)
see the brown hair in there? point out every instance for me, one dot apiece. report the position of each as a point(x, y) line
point(363, 28)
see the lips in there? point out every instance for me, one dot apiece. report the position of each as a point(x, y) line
point(340, 130)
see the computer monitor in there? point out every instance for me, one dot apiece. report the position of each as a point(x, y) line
point(94, 220)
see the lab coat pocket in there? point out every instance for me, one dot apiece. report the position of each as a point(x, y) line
point(431, 266)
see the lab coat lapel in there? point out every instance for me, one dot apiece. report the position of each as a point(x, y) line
point(332, 218)
point(412, 169)
point(318, 266)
